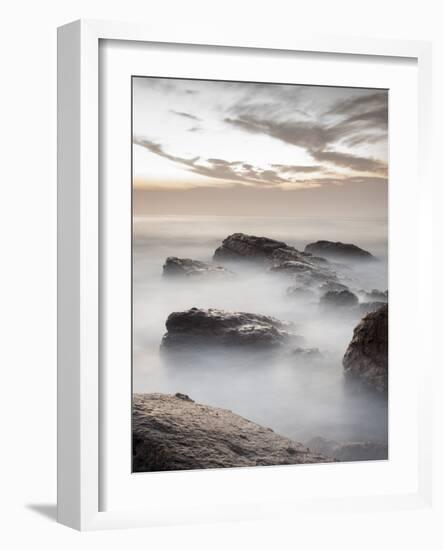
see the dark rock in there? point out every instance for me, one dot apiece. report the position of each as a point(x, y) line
point(339, 250)
point(239, 246)
point(197, 328)
point(338, 298)
point(367, 354)
point(171, 433)
point(347, 452)
point(183, 396)
point(332, 286)
point(289, 254)
point(185, 267)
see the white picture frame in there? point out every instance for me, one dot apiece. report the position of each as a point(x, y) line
point(80, 265)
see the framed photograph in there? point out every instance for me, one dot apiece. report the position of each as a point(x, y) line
point(238, 235)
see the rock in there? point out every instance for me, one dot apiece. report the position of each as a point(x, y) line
point(367, 353)
point(172, 433)
point(339, 250)
point(332, 286)
point(346, 452)
point(289, 254)
point(314, 259)
point(304, 269)
point(339, 299)
point(304, 274)
point(239, 246)
point(185, 267)
point(196, 328)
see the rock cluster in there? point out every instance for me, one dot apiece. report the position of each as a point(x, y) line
point(367, 353)
point(172, 432)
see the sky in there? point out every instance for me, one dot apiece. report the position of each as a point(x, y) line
point(214, 147)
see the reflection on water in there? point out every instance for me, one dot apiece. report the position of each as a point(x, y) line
point(295, 398)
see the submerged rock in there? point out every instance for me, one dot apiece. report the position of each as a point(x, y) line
point(367, 353)
point(332, 286)
point(175, 433)
point(185, 267)
point(350, 451)
point(339, 299)
point(339, 250)
point(196, 328)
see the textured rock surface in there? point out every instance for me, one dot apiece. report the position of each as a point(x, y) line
point(201, 327)
point(175, 433)
point(339, 250)
point(332, 286)
point(345, 452)
point(339, 298)
point(367, 353)
point(239, 246)
point(305, 273)
point(186, 267)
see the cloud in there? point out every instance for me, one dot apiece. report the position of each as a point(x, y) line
point(183, 114)
point(353, 162)
point(318, 139)
point(363, 103)
point(308, 135)
point(297, 169)
point(357, 120)
point(231, 171)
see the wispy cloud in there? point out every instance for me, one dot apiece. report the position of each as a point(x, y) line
point(232, 171)
point(184, 115)
point(350, 122)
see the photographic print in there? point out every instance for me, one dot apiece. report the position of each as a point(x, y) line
point(259, 274)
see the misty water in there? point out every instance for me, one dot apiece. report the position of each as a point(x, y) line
point(296, 398)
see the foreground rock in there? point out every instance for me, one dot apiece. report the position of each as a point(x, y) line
point(367, 354)
point(175, 433)
point(196, 328)
point(347, 452)
point(239, 246)
point(185, 267)
point(338, 250)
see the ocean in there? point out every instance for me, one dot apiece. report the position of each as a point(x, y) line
point(295, 398)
